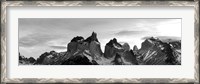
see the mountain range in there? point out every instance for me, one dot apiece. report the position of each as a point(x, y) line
point(80, 51)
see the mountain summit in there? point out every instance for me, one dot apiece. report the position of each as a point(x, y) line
point(87, 51)
point(93, 37)
point(156, 52)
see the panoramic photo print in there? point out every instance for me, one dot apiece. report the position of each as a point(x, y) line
point(99, 41)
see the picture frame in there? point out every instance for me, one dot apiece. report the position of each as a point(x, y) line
point(5, 4)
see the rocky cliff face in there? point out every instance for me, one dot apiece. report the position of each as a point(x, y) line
point(79, 50)
point(79, 60)
point(51, 58)
point(156, 52)
point(87, 51)
point(135, 48)
point(26, 61)
point(115, 50)
point(118, 60)
point(112, 47)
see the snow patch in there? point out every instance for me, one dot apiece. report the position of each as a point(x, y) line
point(49, 56)
point(118, 47)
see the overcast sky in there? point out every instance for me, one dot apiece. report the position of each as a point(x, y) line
point(39, 35)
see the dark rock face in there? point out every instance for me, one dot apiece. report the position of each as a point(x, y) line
point(20, 57)
point(77, 39)
point(175, 44)
point(79, 60)
point(112, 47)
point(91, 43)
point(176, 47)
point(23, 60)
point(146, 45)
point(31, 59)
point(72, 47)
point(117, 60)
point(93, 37)
point(95, 49)
point(94, 46)
point(126, 46)
point(156, 52)
point(51, 58)
point(94, 62)
point(112, 42)
point(135, 48)
point(130, 57)
point(41, 58)
point(168, 51)
point(75, 43)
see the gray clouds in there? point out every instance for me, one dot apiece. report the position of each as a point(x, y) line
point(126, 32)
point(58, 47)
point(164, 38)
point(36, 39)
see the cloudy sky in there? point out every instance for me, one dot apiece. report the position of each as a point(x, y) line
point(39, 35)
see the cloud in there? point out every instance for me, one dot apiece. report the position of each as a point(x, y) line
point(164, 38)
point(126, 32)
point(169, 38)
point(52, 24)
point(36, 39)
point(58, 47)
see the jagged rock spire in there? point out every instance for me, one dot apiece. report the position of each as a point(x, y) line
point(135, 48)
point(113, 41)
point(93, 37)
point(77, 38)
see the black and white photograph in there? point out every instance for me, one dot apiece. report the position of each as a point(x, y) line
point(99, 41)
